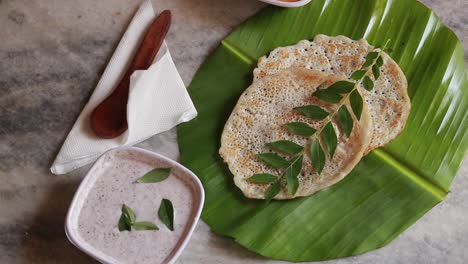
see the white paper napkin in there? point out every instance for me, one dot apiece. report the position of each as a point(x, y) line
point(158, 100)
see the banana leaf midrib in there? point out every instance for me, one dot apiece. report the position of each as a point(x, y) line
point(424, 182)
point(240, 54)
point(416, 176)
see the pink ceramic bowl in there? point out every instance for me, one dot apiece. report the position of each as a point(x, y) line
point(287, 4)
point(135, 156)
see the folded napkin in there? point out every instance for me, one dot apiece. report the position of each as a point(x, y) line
point(158, 100)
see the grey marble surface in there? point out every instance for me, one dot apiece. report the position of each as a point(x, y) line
point(52, 53)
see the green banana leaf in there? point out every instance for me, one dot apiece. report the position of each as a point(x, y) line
point(392, 187)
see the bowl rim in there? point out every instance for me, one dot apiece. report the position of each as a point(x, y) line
point(89, 178)
point(287, 4)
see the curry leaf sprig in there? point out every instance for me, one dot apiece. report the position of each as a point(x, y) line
point(324, 139)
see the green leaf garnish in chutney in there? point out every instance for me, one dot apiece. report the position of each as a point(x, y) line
point(155, 175)
point(145, 226)
point(128, 213)
point(124, 224)
point(127, 220)
point(166, 213)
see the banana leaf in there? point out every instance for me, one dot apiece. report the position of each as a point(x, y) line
point(392, 187)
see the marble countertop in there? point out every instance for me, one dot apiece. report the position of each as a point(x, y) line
point(51, 56)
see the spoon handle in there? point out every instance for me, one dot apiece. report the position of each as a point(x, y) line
point(151, 43)
point(109, 118)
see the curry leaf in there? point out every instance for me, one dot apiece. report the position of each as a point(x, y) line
point(370, 59)
point(357, 75)
point(376, 72)
point(328, 96)
point(285, 146)
point(272, 191)
point(330, 139)
point(356, 102)
point(368, 83)
point(145, 226)
point(379, 61)
point(301, 129)
point(124, 224)
point(341, 87)
point(273, 159)
point(292, 173)
point(155, 175)
point(346, 120)
point(129, 215)
point(317, 156)
point(127, 218)
point(312, 111)
point(166, 213)
point(263, 178)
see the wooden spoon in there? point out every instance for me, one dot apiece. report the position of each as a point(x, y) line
point(109, 118)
